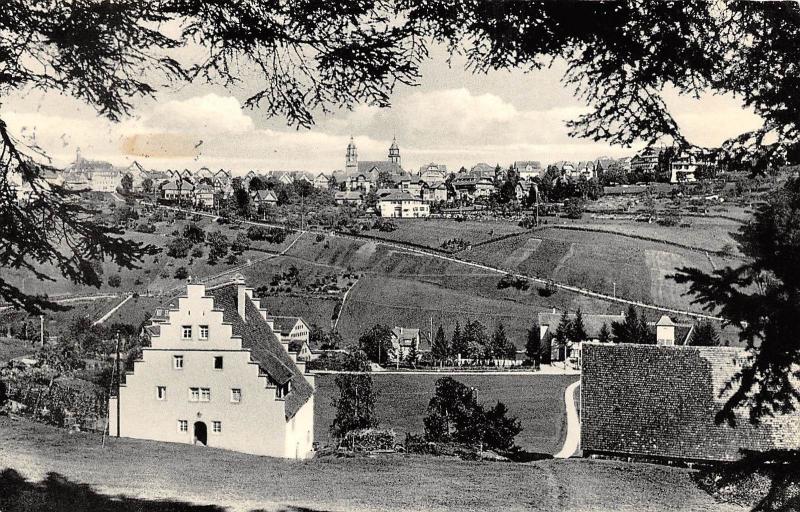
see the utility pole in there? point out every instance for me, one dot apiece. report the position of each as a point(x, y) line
point(116, 366)
point(41, 329)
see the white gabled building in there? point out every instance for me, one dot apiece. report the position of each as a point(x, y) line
point(402, 204)
point(216, 374)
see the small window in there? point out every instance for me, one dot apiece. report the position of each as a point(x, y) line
point(183, 425)
point(177, 362)
point(236, 395)
point(187, 332)
point(194, 394)
point(217, 362)
point(216, 427)
point(205, 394)
point(161, 392)
point(203, 332)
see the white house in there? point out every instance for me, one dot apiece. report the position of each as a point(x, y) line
point(216, 374)
point(528, 169)
point(402, 204)
point(290, 329)
point(402, 340)
point(322, 181)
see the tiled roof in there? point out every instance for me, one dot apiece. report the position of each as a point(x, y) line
point(658, 401)
point(381, 165)
point(520, 164)
point(284, 324)
point(264, 346)
point(399, 195)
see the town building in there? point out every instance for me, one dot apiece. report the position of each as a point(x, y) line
point(322, 181)
point(372, 169)
point(483, 170)
point(528, 169)
point(548, 324)
point(686, 163)
point(290, 329)
point(264, 198)
point(472, 187)
point(348, 197)
point(434, 193)
point(204, 196)
point(646, 160)
point(215, 374)
point(402, 204)
point(177, 190)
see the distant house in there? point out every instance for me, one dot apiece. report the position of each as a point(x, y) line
point(483, 170)
point(434, 192)
point(348, 197)
point(686, 163)
point(322, 182)
point(646, 161)
point(548, 324)
point(264, 198)
point(359, 183)
point(523, 189)
point(177, 190)
point(290, 329)
point(433, 171)
point(402, 340)
point(411, 185)
point(402, 204)
point(471, 187)
point(204, 196)
point(215, 374)
point(528, 169)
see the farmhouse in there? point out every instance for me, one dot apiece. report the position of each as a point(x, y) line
point(528, 169)
point(290, 329)
point(322, 181)
point(216, 374)
point(659, 402)
point(264, 198)
point(402, 204)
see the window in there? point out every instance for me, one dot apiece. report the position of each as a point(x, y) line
point(205, 394)
point(216, 427)
point(183, 426)
point(203, 332)
point(177, 362)
point(282, 390)
point(195, 394)
point(217, 362)
point(187, 332)
point(236, 395)
point(161, 392)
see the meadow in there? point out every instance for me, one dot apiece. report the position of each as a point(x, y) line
point(47, 469)
point(536, 400)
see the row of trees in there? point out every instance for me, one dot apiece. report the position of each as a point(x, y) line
point(473, 342)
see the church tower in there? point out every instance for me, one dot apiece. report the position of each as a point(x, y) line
point(351, 158)
point(394, 152)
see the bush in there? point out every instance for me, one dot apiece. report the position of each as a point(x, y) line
point(178, 248)
point(455, 244)
point(574, 209)
point(197, 252)
point(146, 227)
point(369, 439)
point(384, 225)
point(181, 273)
point(320, 237)
point(114, 280)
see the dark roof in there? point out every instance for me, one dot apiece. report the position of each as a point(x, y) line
point(399, 195)
point(284, 324)
point(391, 167)
point(265, 348)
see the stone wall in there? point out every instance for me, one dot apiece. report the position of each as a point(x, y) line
point(660, 401)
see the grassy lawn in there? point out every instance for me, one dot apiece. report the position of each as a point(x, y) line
point(536, 400)
point(57, 322)
point(50, 470)
point(434, 232)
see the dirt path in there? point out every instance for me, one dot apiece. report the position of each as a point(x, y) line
point(573, 424)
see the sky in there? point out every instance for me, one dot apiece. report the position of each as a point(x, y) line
point(452, 117)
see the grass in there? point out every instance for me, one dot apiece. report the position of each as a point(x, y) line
point(597, 261)
point(536, 400)
point(13, 347)
point(57, 322)
point(51, 470)
point(434, 232)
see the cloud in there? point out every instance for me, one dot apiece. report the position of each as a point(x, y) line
point(200, 114)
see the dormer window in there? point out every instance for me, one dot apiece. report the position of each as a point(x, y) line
point(186, 331)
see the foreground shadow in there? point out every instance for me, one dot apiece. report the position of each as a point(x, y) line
point(57, 494)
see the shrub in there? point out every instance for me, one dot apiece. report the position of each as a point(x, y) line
point(320, 237)
point(181, 273)
point(369, 439)
point(197, 252)
point(178, 248)
point(146, 227)
point(114, 280)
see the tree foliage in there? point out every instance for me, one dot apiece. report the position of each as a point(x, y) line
point(633, 329)
point(440, 350)
point(762, 298)
point(376, 343)
point(355, 406)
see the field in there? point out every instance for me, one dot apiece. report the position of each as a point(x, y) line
point(536, 400)
point(605, 263)
point(50, 470)
point(56, 322)
point(434, 232)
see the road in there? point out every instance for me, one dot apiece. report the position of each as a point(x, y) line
point(496, 270)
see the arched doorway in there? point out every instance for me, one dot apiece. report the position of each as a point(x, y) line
point(200, 433)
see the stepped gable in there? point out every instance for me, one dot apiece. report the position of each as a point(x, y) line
point(265, 348)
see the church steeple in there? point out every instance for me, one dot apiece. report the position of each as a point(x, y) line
point(351, 157)
point(394, 152)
